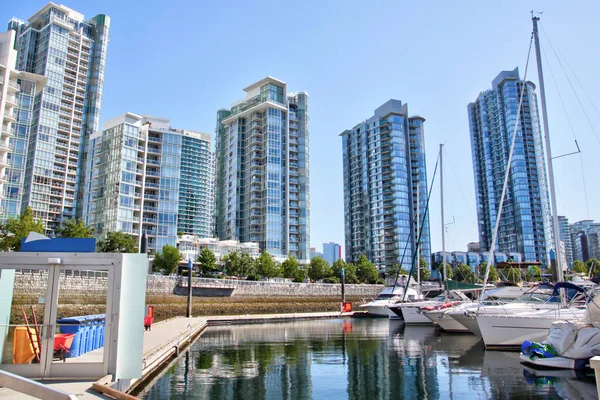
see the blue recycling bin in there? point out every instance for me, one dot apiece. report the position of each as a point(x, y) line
point(88, 333)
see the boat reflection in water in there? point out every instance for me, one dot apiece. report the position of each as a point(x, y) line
point(349, 358)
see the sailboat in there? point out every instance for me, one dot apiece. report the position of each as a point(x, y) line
point(511, 330)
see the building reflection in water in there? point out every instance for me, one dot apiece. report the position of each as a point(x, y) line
point(339, 359)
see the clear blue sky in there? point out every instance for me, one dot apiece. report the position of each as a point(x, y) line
point(185, 59)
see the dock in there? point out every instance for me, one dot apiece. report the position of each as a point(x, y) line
point(162, 343)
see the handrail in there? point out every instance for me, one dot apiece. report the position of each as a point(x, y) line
point(32, 388)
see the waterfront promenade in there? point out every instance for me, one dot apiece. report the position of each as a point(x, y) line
point(163, 341)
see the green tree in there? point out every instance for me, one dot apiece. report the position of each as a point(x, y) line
point(395, 269)
point(349, 271)
point(318, 269)
point(232, 263)
point(207, 261)
point(463, 273)
point(247, 265)
point(167, 261)
point(580, 267)
point(15, 229)
point(290, 267)
point(300, 275)
point(533, 273)
point(492, 277)
point(593, 265)
point(513, 275)
point(266, 266)
point(365, 270)
point(117, 242)
point(74, 228)
point(425, 271)
point(449, 271)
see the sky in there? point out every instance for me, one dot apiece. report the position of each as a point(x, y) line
point(185, 59)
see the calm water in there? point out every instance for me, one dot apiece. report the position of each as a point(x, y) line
point(355, 359)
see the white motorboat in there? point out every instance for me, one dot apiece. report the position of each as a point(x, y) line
point(393, 292)
point(442, 318)
point(412, 314)
point(511, 329)
point(575, 343)
point(538, 297)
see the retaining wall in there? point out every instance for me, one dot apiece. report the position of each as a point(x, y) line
point(34, 284)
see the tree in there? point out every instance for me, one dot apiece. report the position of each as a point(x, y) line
point(207, 261)
point(593, 265)
point(493, 276)
point(365, 270)
point(349, 271)
point(533, 273)
point(300, 275)
point(167, 261)
point(449, 271)
point(463, 273)
point(247, 265)
point(513, 275)
point(580, 267)
point(395, 269)
point(290, 267)
point(318, 269)
point(74, 228)
point(266, 266)
point(118, 242)
point(15, 229)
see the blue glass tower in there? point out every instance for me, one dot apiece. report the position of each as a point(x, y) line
point(262, 170)
point(385, 187)
point(58, 43)
point(525, 225)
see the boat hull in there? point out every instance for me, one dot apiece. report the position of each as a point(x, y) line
point(445, 321)
point(413, 316)
point(468, 321)
point(377, 310)
point(509, 331)
point(556, 362)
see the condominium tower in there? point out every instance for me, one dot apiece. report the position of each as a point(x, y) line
point(525, 225)
point(565, 238)
point(70, 52)
point(385, 188)
point(332, 252)
point(146, 177)
point(262, 170)
point(18, 92)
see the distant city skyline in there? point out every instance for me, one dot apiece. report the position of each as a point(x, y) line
point(445, 69)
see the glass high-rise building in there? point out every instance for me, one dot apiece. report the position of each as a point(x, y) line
point(262, 170)
point(58, 43)
point(18, 93)
point(525, 225)
point(565, 238)
point(332, 252)
point(385, 188)
point(146, 177)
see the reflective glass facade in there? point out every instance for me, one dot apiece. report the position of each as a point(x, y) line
point(262, 170)
point(196, 193)
point(71, 53)
point(140, 177)
point(525, 225)
point(565, 238)
point(385, 187)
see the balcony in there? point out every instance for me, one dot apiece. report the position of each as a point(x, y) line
point(10, 116)
point(13, 86)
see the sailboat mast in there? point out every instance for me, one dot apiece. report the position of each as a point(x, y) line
point(417, 232)
point(443, 226)
point(557, 273)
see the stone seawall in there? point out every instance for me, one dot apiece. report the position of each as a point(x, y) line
point(34, 284)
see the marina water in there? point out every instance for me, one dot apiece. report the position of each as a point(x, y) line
point(357, 359)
